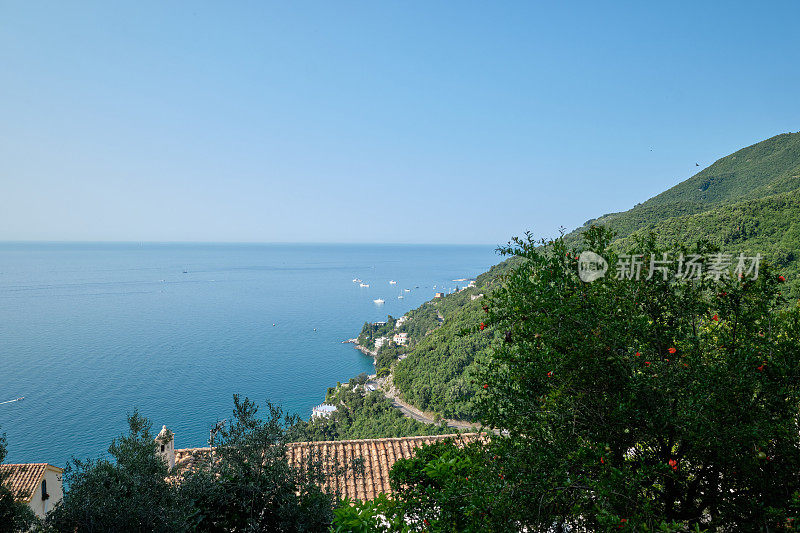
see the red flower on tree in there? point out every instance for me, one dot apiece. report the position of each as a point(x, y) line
point(483, 326)
point(674, 464)
point(715, 318)
point(485, 385)
point(781, 279)
point(647, 363)
point(672, 350)
point(638, 354)
point(549, 374)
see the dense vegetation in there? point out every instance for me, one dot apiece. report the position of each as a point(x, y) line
point(362, 414)
point(249, 487)
point(747, 202)
point(660, 404)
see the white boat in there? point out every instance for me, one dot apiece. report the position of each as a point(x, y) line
point(392, 282)
point(356, 280)
point(407, 290)
point(365, 284)
point(401, 296)
point(378, 301)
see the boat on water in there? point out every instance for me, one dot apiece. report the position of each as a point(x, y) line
point(356, 280)
point(365, 285)
point(407, 290)
point(379, 301)
point(401, 296)
point(392, 282)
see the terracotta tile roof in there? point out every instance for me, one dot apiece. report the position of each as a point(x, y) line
point(24, 479)
point(379, 455)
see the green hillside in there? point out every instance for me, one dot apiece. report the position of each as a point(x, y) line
point(765, 169)
point(748, 201)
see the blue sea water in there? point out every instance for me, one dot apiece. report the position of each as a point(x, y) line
point(88, 332)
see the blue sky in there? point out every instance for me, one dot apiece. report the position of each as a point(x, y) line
point(440, 122)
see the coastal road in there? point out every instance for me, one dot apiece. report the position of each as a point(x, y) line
point(412, 412)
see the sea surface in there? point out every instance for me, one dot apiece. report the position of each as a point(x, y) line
point(88, 332)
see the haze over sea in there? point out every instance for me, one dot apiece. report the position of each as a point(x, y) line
point(88, 332)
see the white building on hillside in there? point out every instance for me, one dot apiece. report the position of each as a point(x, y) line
point(401, 338)
point(380, 341)
point(36, 484)
point(323, 410)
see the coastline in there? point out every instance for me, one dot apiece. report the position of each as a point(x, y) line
point(362, 349)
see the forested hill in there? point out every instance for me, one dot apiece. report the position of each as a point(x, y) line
point(748, 201)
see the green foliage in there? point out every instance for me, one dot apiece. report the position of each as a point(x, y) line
point(625, 405)
point(362, 414)
point(371, 331)
point(748, 202)
point(646, 401)
point(127, 493)
point(14, 516)
point(249, 486)
point(436, 375)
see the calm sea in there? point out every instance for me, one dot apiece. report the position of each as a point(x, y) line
point(88, 332)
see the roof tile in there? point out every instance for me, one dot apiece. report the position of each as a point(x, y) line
point(24, 479)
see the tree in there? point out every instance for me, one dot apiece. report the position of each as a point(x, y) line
point(131, 492)
point(14, 516)
point(630, 403)
point(657, 404)
point(250, 485)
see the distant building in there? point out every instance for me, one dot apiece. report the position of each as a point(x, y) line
point(165, 446)
point(471, 283)
point(323, 410)
point(400, 338)
point(36, 484)
point(380, 341)
point(475, 296)
point(439, 295)
point(379, 323)
point(400, 321)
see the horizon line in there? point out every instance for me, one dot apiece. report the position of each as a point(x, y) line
point(387, 243)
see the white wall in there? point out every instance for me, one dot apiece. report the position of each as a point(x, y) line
point(54, 489)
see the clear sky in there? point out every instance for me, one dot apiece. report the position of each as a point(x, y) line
point(375, 121)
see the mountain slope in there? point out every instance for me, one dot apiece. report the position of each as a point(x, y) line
point(764, 169)
point(748, 201)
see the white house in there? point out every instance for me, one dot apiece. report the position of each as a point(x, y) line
point(323, 410)
point(400, 338)
point(400, 321)
point(380, 341)
point(37, 484)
